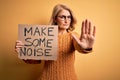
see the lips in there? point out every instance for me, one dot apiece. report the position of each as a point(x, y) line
point(65, 24)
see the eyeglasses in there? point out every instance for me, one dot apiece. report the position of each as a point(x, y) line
point(65, 17)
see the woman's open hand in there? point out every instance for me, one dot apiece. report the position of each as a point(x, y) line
point(87, 37)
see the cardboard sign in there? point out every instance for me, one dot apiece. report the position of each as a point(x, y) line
point(40, 42)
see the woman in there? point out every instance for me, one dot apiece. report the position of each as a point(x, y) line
point(63, 67)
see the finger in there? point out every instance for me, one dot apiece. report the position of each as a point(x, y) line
point(86, 26)
point(19, 41)
point(94, 31)
point(17, 50)
point(18, 46)
point(83, 28)
point(90, 29)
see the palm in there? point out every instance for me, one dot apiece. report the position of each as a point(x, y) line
point(87, 41)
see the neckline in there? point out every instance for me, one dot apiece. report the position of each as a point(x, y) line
point(64, 34)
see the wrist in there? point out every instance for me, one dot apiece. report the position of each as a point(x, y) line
point(88, 49)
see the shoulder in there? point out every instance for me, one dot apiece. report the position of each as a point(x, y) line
point(74, 33)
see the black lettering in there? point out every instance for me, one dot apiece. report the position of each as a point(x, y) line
point(39, 52)
point(23, 51)
point(50, 30)
point(49, 42)
point(29, 42)
point(37, 31)
point(42, 31)
point(47, 51)
point(35, 42)
point(29, 52)
point(42, 42)
point(27, 31)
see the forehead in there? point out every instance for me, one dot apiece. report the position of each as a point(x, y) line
point(64, 12)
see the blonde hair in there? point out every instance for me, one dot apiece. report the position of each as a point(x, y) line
point(56, 10)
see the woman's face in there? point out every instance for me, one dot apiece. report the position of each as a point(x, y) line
point(63, 19)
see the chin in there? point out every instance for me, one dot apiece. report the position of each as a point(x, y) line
point(66, 27)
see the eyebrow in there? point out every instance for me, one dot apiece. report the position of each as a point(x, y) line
point(64, 15)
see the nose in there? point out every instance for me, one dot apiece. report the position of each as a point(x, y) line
point(66, 20)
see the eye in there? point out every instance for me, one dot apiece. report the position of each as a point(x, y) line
point(69, 17)
point(62, 17)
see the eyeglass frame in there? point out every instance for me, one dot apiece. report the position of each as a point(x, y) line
point(63, 17)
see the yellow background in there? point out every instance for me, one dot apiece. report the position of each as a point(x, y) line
point(102, 64)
